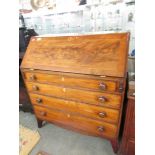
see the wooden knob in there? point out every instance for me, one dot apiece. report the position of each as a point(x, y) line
point(100, 128)
point(120, 89)
point(42, 113)
point(102, 114)
point(102, 86)
point(39, 100)
point(32, 77)
point(35, 88)
point(102, 99)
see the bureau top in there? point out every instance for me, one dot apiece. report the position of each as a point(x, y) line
point(96, 54)
point(80, 34)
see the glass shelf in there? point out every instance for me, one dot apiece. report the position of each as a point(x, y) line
point(44, 11)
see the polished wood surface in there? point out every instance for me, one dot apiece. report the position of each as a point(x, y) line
point(73, 80)
point(97, 98)
point(127, 146)
point(78, 54)
point(94, 112)
point(78, 82)
point(115, 145)
point(97, 128)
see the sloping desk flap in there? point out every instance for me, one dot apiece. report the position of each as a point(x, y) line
point(99, 54)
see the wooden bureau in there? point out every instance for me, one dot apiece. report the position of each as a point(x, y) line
point(78, 82)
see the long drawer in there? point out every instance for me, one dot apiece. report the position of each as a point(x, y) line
point(97, 98)
point(97, 128)
point(95, 112)
point(79, 81)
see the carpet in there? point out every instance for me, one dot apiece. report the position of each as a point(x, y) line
point(42, 153)
point(27, 140)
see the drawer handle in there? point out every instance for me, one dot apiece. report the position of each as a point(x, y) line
point(39, 100)
point(102, 114)
point(32, 77)
point(102, 86)
point(102, 99)
point(100, 128)
point(42, 113)
point(121, 89)
point(35, 88)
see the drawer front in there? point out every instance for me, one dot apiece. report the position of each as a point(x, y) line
point(73, 81)
point(97, 98)
point(90, 126)
point(95, 112)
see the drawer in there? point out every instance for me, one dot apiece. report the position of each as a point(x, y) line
point(97, 98)
point(95, 112)
point(77, 81)
point(87, 125)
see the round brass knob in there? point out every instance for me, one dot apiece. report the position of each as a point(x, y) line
point(100, 128)
point(39, 100)
point(35, 88)
point(102, 86)
point(32, 77)
point(42, 113)
point(102, 114)
point(102, 99)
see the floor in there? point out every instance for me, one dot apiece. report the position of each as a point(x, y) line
point(57, 141)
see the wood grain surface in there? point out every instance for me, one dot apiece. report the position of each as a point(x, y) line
point(87, 54)
point(88, 82)
point(94, 127)
point(94, 112)
point(127, 146)
point(97, 98)
point(78, 82)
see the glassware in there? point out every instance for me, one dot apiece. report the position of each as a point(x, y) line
point(100, 24)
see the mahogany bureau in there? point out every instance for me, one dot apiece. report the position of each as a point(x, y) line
point(78, 82)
